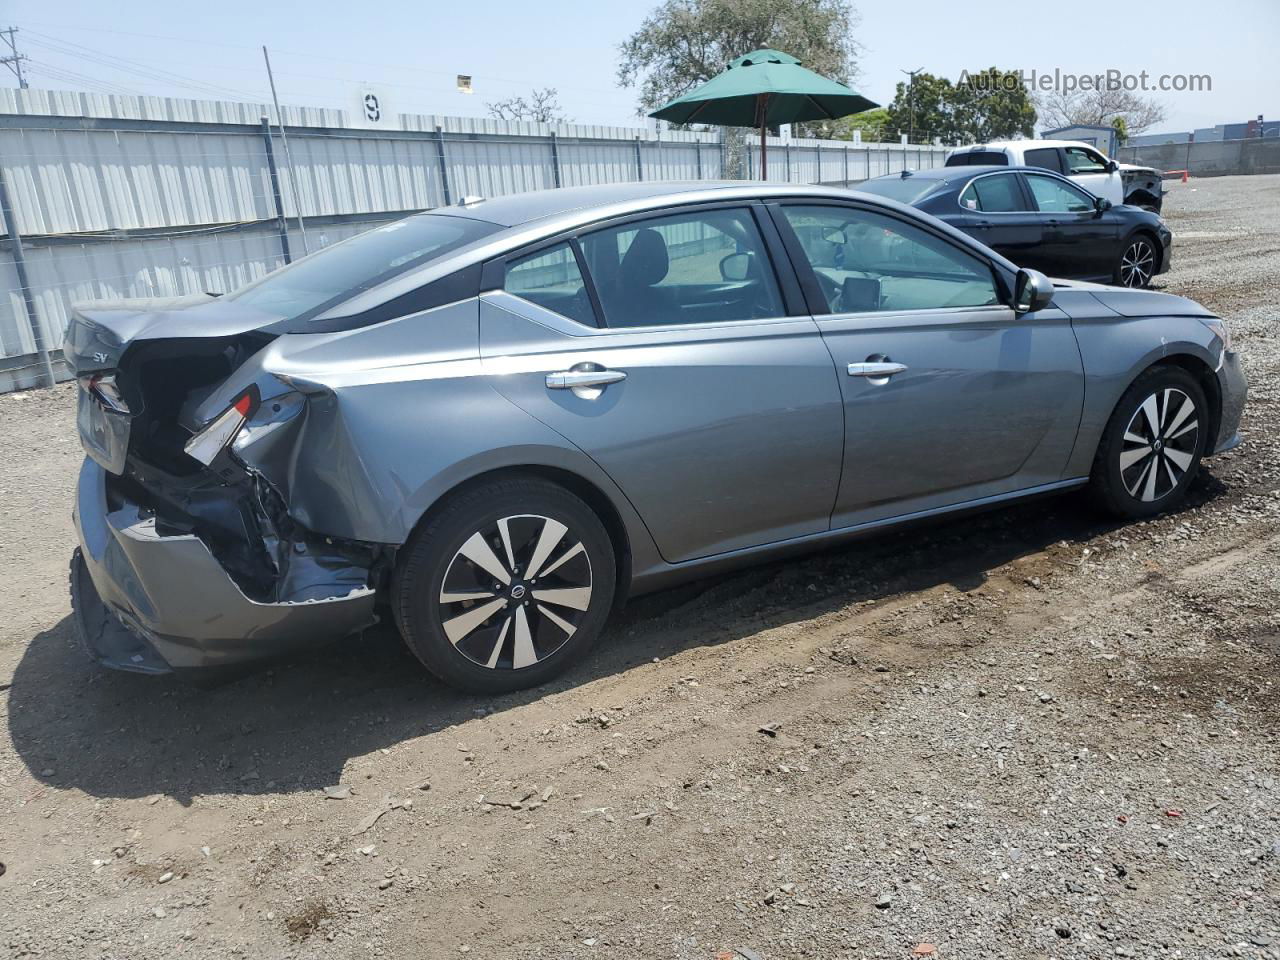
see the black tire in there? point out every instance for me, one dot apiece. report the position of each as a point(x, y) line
point(1121, 480)
point(1138, 261)
point(494, 655)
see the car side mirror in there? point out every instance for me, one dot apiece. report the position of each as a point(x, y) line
point(1101, 204)
point(835, 236)
point(1112, 166)
point(736, 267)
point(1032, 291)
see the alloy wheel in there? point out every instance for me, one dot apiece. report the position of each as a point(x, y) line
point(1138, 263)
point(515, 592)
point(1159, 446)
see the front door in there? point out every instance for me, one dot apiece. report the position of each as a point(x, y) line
point(949, 396)
point(718, 415)
point(1092, 170)
point(1078, 240)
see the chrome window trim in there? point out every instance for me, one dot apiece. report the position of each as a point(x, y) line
point(912, 318)
point(567, 325)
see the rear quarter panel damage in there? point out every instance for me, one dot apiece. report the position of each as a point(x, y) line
point(396, 416)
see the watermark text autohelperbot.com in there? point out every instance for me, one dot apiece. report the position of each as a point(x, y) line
point(1061, 81)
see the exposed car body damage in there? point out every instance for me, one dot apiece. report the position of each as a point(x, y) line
point(1143, 186)
point(348, 429)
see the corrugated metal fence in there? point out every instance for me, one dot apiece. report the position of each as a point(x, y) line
point(1208, 158)
point(117, 197)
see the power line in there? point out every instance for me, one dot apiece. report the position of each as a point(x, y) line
point(14, 60)
point(415, 68)
point(125, 65)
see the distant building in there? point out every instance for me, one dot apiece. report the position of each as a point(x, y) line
point(1223, 131)
point(1098, 135)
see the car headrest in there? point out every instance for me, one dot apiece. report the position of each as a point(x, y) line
point(645, 262)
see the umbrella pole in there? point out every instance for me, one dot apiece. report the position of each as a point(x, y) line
point(764, 149)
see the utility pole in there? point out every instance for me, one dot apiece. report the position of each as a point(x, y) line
point(14, 60)
point(288, 157)
point(911, 101)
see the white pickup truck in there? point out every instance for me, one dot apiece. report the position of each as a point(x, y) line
point(1117, 182)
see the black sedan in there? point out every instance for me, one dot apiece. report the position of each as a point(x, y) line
point(1040, 220)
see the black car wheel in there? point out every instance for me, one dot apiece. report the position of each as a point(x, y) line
point(1138, 262)
point(1150, 451)
point(506, 586)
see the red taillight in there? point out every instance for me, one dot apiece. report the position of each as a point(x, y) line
point(221, 430)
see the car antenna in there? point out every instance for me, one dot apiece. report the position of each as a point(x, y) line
point(905, 174)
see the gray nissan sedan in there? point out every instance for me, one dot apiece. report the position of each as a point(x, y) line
point(498, 419)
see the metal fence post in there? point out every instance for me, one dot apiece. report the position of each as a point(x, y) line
point(639, 162)
point(787, 149)
point(444, 164)
point(818, 152)
point(697, 152)
point(20, 264)
point(555, 159)
point(846, 166)
point(866, 157)
point(275, 190)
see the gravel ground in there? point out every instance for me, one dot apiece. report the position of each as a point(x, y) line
point(1026, 734)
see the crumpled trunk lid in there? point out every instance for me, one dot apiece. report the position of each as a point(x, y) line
point(155, 373)
point(144, 364)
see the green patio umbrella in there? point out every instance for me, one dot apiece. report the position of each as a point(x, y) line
point(764, 88)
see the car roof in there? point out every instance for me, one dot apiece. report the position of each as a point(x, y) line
point(1022, 145)
point(951, 173)
point(516, 209)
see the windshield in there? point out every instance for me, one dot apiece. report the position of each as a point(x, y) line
point(902, 189)
point(359, 263)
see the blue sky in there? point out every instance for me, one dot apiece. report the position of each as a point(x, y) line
point(414, 50)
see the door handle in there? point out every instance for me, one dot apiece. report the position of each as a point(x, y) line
point(884, 368)
point(574, 379)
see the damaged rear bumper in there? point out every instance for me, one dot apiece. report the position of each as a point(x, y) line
point(153, 603)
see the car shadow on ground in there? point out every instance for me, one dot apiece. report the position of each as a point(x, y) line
point(292, 728)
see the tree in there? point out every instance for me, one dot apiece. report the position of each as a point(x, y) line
point(873, 125)
point(922, 110)
point(684, 43)
point(541, 106)
point(1100, 105)
point(990, 104)
point(1121, 129)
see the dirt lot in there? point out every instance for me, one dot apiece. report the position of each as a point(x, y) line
point(1029, 734)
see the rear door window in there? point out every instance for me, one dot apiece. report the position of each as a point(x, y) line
point(1046, 157)
point(708, 266)
point(551, 279)
point(993, 194)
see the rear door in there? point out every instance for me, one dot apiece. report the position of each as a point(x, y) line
point(706, 392)
point(949, 396)
point(994, 209)
point(1078, 240)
